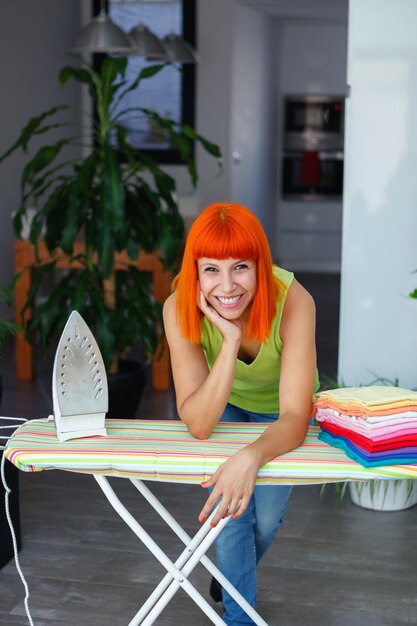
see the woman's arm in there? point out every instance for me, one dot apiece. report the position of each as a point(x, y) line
point(235, 479)
point(298, 366)
point(201, 394)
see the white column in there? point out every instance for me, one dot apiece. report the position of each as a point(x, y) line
point(378, 326)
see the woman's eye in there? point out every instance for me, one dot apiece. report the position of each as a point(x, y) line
point(210, 269)
point(241, 266)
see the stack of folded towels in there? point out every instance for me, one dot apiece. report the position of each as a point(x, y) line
point(374, 425)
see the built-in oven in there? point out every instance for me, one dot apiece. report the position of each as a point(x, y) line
point(312, 163)
point(312, 174)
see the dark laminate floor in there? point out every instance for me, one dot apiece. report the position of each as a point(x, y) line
point(333, 564)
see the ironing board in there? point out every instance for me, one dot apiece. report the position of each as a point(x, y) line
point(142, 450)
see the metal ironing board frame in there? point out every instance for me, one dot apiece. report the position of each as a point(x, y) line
point(163, 451)
point(178, 572)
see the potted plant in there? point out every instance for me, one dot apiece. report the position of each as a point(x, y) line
point(384, 495)
point(113, 199)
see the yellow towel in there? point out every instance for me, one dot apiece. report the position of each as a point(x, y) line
point(375, 400)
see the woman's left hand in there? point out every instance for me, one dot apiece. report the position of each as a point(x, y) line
point(233, 485)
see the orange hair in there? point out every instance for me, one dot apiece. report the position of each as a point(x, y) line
point(227, 231)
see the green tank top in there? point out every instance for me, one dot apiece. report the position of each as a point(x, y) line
point(256, 385)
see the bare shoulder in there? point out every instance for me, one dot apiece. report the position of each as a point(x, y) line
point(298, 297)
point(299, 311)
point(170, 304)
point(169, 312)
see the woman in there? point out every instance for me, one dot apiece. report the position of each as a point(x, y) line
point(241, 334)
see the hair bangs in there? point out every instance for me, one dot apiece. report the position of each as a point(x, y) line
point(226, 240)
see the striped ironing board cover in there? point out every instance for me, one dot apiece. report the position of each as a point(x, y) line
point(163, 450)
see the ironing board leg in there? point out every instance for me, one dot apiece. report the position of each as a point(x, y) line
point(179, 576)
point(187, 561)
point(190, 543)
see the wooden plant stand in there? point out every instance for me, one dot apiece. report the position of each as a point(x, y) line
point(25, 256)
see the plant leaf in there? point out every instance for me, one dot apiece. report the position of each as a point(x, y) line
point(42, 159)
point(110, 69)
point(81, 75)
point(32, 127)
point(209, 147)
point(146, 72)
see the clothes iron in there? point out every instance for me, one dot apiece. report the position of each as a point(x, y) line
point(79, 383)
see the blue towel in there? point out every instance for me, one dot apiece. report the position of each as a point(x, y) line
point(402, 456)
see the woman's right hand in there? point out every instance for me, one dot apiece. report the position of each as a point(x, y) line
point(201, 393)
point(230, 329)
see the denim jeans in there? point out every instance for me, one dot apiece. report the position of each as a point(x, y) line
point(243, 542)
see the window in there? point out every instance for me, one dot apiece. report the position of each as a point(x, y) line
point(171, 92)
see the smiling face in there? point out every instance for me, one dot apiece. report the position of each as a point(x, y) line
point(228, 285)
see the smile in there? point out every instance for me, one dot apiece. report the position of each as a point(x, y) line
point(228, 301)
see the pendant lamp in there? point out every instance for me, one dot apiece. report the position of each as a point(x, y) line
point(179, 50)
point(102, 35)
point(146, 44)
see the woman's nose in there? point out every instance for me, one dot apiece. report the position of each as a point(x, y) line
point(227, 283)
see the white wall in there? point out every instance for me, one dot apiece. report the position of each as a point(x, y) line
point(378, 327)
point(235, 108)
point(34, 37)
point(215, 36)
point(311, 59)
point(253, 114)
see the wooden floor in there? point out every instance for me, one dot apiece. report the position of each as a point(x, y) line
point(332, 564)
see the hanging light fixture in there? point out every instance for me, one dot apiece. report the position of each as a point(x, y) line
point(102, 35)
point(179, 50)
point(146, 44)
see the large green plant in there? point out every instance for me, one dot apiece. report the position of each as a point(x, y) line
point(113, 199)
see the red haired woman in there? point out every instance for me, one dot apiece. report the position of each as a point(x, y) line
point(241, 333)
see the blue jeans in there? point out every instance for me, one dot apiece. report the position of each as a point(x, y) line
point(243, 542)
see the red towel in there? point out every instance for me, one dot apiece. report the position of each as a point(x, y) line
point(366, 444)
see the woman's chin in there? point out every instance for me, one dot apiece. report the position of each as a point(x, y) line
point(229, 313)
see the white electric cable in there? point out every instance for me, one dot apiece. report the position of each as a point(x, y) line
point(9, 419)
point(16, 419)
point(7, 492)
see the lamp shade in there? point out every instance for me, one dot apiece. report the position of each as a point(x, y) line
point(146, 44)
point(102, 35)
point(179, 50)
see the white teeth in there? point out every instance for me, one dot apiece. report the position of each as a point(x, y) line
point(232, 300)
